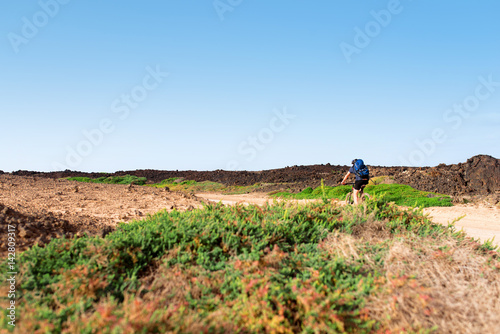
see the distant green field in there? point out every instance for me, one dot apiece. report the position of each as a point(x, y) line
point(204, 186)
point(173, 183)
point(127, 179)
point(398, 193)
point(188, 185)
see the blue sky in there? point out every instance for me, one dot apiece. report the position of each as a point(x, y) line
point(203, 85)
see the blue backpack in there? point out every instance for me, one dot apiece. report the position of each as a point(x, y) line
point(360, 169)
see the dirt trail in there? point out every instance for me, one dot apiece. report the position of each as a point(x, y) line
point(479, 222)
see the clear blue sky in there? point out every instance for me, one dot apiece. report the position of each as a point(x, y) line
point(376, 80)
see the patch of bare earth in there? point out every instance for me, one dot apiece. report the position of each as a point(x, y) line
point(42, 208)
point(480, 221)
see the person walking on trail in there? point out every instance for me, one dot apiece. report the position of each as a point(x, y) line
point(362, 173)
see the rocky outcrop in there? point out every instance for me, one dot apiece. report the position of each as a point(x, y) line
point(480, 175)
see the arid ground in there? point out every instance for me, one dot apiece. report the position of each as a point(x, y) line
point(46, 208)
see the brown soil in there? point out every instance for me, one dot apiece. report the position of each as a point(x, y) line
point(480, 175)
point(43, 208)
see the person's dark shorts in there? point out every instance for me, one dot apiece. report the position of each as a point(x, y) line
point(358, 184)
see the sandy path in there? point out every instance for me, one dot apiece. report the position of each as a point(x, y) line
point(479, 221)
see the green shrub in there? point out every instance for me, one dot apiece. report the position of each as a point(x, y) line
point(408, 196)
point(307, 191)
point(267, 257)
point(398, 193)
point(80, 179)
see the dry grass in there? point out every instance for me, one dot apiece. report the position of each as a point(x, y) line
point(341, 245)
point(449, 288)
point(372, 231)
point(443, 287)
point(353, 247)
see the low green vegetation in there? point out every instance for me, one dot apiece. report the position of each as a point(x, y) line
point(176, 184)
point(272, 269)
point(408, 196)
point(398, 193)
point(127, 179)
